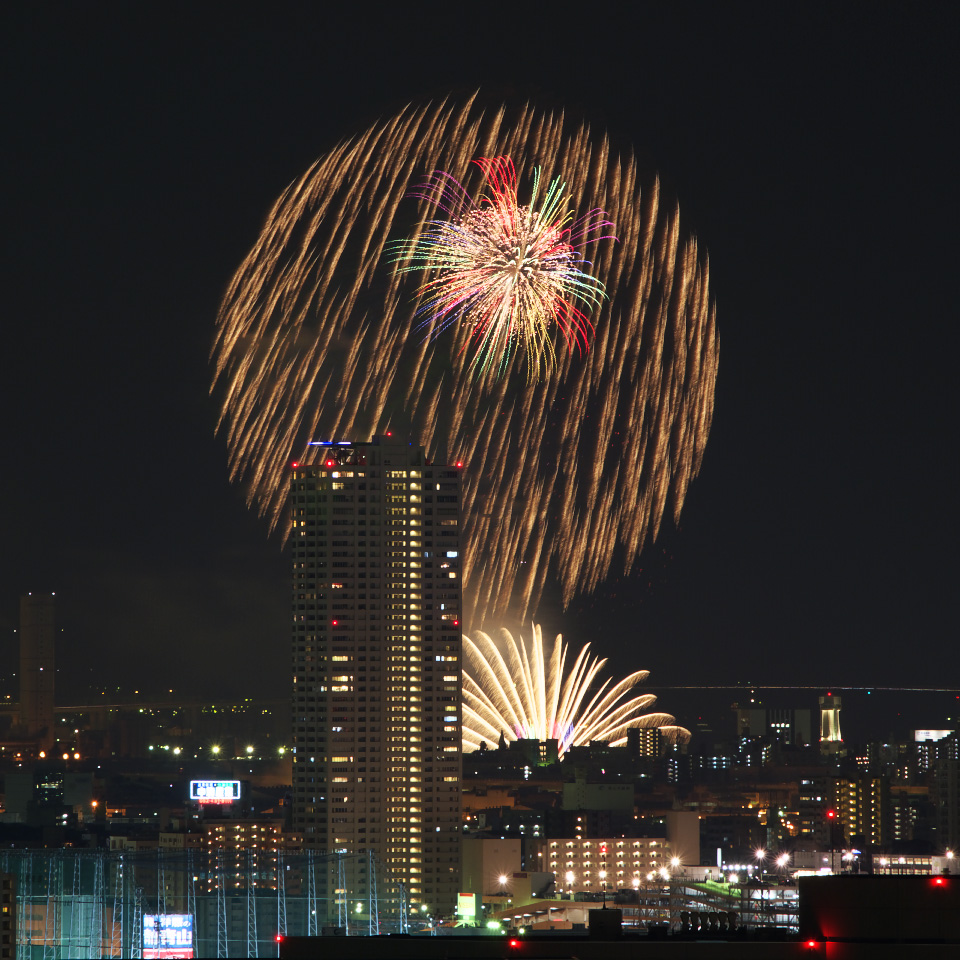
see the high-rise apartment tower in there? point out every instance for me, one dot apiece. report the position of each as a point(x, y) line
point(376, 667)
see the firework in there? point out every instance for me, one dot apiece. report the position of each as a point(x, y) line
point(519, 692)
point(317, 337)
point(509, 271)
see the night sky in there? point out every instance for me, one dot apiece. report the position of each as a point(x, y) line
point(811, 153)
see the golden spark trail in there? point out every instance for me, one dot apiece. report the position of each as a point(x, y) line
point(316, 338)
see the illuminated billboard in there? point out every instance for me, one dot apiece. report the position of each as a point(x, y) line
point(167, 935)
point(215, 791)
point(469, 908)
point(921, 736)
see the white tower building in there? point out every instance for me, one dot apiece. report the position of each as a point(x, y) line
point(830, 739)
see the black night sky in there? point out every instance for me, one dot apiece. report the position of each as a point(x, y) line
point(811, 152)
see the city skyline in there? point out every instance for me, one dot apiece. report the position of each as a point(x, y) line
point(821, 520)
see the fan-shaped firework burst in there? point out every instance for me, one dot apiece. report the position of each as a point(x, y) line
point(511, 689)
point(316, 338)
point(509, 271)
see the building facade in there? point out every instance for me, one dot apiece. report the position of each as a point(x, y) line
point(8, 915)
point(377, 666)
point(602, 865)
point(862, 808)
point(786, 726)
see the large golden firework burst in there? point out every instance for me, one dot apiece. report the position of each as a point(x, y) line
point(317, 337)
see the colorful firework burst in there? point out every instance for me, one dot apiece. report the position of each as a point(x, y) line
point(314, 338)
point(509, 271)
point(516, 691)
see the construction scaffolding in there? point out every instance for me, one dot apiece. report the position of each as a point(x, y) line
point(97, 904)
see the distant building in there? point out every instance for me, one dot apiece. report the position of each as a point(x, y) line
point(730, 837)
point(645, 742)
point(8, 915)
point(608, 863)
point(377, 665)
point(945, 793)
point(862, 809)
point(528, 753)
point(911, 812)
point(488, 863)
point(788, 727)
point(249, 851)
point(831, 741)
point(581, 795)
point(47, 795)
point(37, 668)
point(935, 745)
point(815, 801)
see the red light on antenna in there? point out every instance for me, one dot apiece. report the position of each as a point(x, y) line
point(514, 944)
point(459, 463)
point(331, 463)
point(939, 882)
point(831, 814)
point(334, 622)
point(278, 938)
point(389, 433)
point(812, 944)
point(295, 464)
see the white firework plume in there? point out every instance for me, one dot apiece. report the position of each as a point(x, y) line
point(516, 690)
